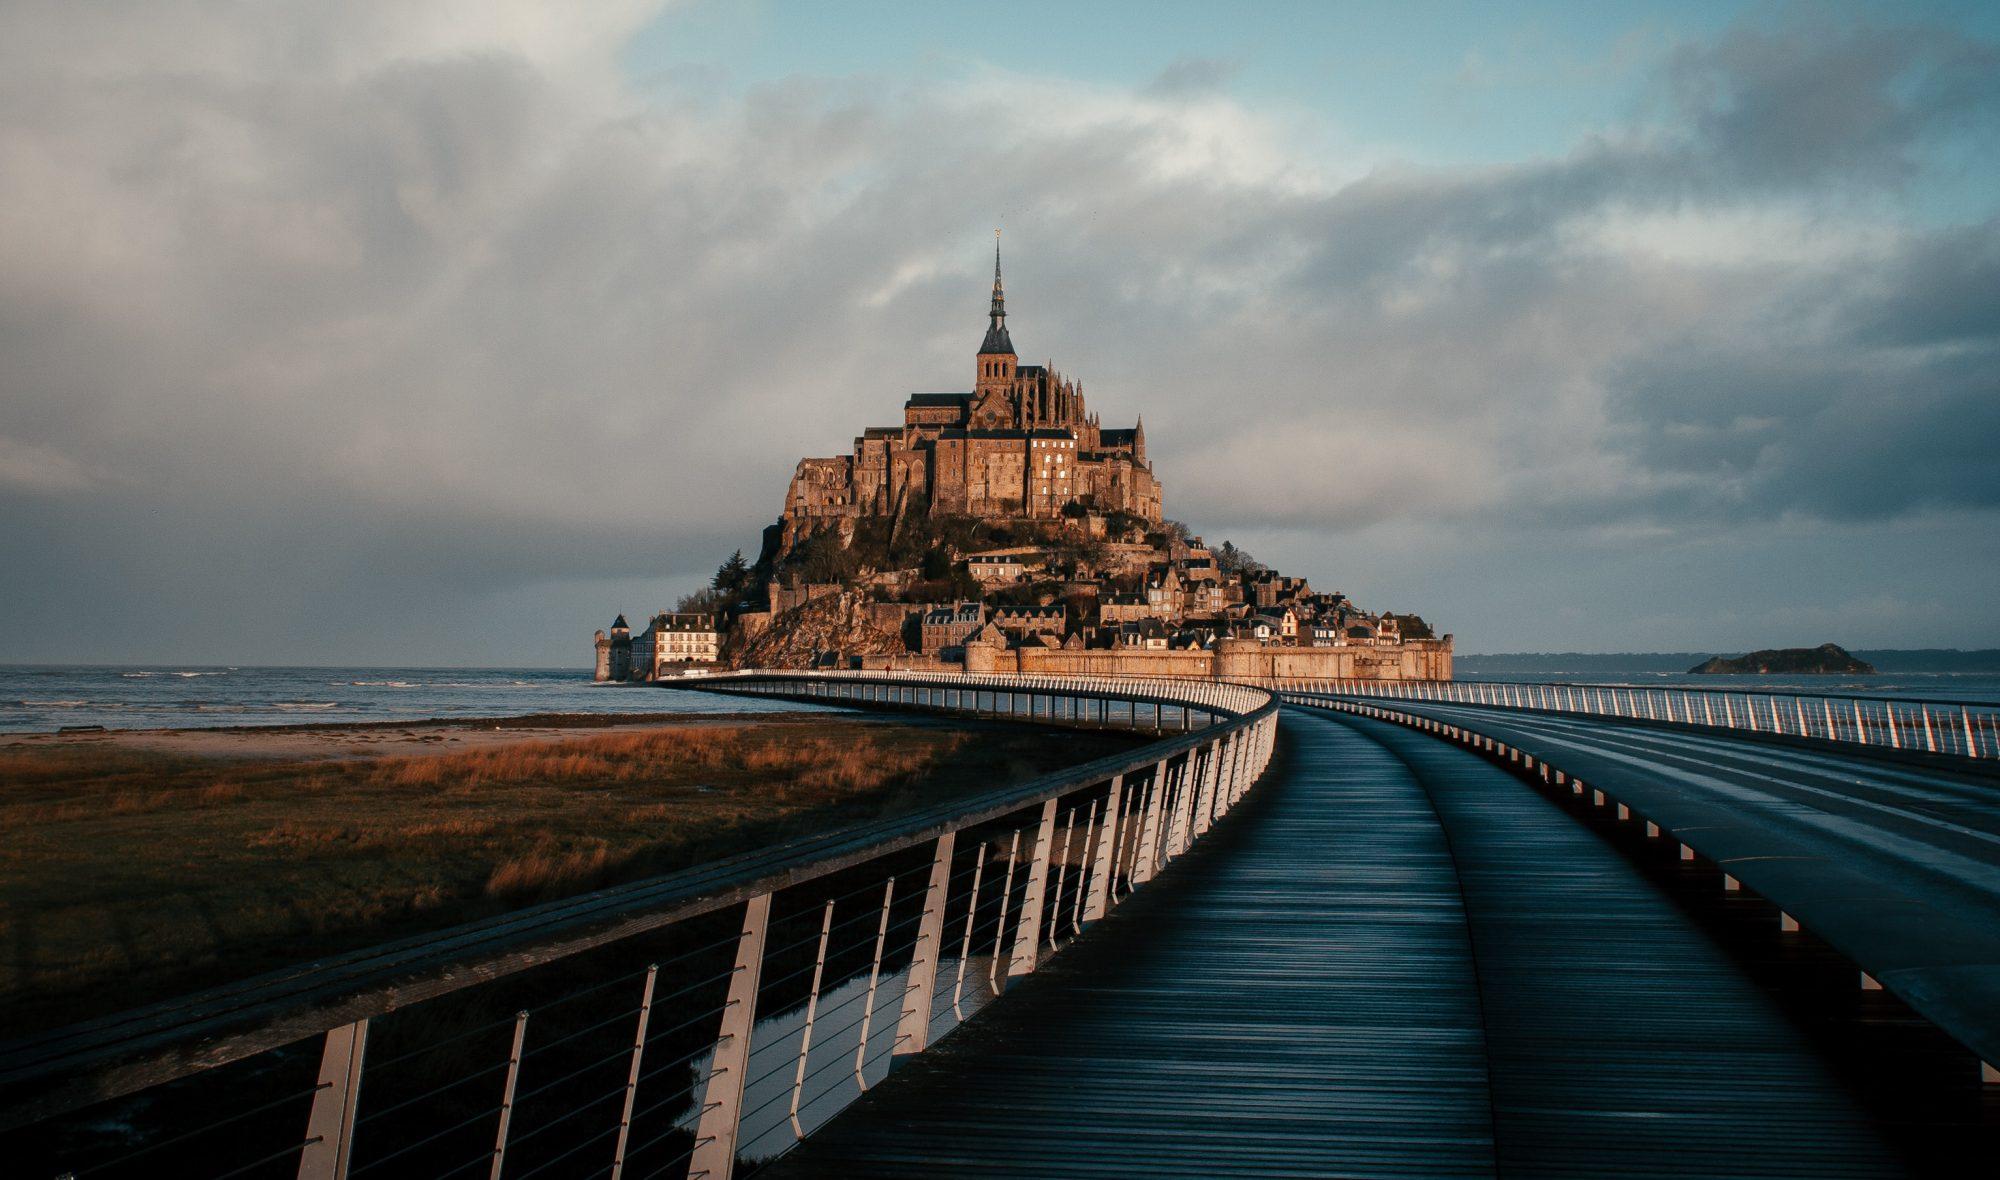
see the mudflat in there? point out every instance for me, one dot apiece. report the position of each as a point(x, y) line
point(137, 865)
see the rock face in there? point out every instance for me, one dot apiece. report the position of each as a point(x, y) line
point(799, 637)
point(1828, 659)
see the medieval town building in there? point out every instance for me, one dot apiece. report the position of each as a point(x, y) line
point(1021, 444)
point(672, 642)
point(614, 651)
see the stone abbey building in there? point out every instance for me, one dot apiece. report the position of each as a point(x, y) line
point(1021, 444)
point(1039, 547)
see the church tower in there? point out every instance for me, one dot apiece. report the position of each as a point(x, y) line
point(997, 361)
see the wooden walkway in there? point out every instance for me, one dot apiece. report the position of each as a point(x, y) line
point(1620, 1038)
point(1300, 996)
point(1294, 999)
point(1896, 866)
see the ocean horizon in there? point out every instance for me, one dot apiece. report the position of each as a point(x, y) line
point(46, 698)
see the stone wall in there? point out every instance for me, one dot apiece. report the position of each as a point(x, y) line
point(1233, 659)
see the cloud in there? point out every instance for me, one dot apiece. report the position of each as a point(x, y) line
point(1193, 75)
point(428, 289)
point(1783, 107)
point(37, 470)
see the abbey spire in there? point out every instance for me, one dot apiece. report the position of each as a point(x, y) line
point(997, 342)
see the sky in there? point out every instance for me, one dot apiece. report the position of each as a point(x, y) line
point(436, 332)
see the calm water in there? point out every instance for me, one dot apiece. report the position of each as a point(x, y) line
point(45, 698)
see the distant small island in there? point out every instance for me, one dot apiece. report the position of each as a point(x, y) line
point(1828, 659)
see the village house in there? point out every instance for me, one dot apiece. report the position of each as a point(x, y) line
point(1164, 592)
point(673, 641)
point(1019, 622)
point(944, 630)
point(1001, 566)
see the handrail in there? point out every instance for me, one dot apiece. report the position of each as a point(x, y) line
point(1181, 783)
point(1951, 729)
point(1808, 890)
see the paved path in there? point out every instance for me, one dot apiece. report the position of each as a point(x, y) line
point(1323, 988)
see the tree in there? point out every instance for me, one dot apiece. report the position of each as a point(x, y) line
point(822, 558)
point(1231, 560)
point(732, 578)
point(705, 601)
point(1413, 627)
point(1121, 525)
point(936, 563)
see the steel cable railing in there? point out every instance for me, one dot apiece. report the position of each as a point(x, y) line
point(1929, 726)
point(747, 1015)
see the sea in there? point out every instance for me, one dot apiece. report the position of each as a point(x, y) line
point(47, 698)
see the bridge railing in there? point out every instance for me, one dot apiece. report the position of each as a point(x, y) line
point(665, 1027)
point(1930, 726)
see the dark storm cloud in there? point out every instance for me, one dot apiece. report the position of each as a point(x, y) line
point(1795, 106)
point(397, 311)
point(1943, 288)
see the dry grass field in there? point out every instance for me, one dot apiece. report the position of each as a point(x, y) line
point(130, 873)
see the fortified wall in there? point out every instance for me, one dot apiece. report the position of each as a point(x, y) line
point(1230, 659)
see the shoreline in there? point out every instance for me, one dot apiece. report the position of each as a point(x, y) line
point(340, 741)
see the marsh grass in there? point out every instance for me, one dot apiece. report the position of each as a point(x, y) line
point(127, 876)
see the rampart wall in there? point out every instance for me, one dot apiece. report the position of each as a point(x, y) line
point(1232, 659)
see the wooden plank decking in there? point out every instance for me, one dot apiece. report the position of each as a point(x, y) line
point(1300, 996)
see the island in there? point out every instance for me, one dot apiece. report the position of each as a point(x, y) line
point(1828, 659)
point(1008, 529)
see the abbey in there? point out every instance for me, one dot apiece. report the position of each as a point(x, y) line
point(1021, 444)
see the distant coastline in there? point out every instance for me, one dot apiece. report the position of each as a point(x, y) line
point(1888, 661)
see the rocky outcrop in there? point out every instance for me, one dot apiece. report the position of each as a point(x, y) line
point(826, 630)
point(1828, 659)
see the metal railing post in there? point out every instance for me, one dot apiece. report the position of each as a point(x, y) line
point(913, 1030)
point(714, 1156)
point(507, 1094)
point(965, 948)
point(1182, 820)
point(1225, 791)
point(1204, 807)
point(1062, 877)
point(1028, 928)
point(1082, 874)
point(812, 1015)
point(1149, 837)
point(874, 980)
point(330, 1127)
point(632, 1076)
point(1000, 925)
point(1101, 862)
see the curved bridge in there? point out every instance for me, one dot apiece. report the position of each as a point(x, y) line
point(1562, 939)
point(1408, 956)
point(670, 1025)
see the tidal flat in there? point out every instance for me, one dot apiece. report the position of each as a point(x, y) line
point(139, 865)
